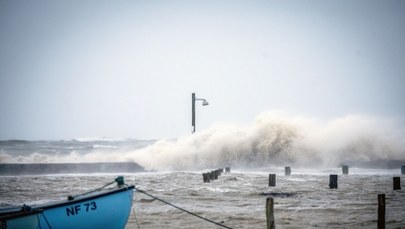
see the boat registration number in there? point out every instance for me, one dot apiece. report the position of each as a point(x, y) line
point(80, 208)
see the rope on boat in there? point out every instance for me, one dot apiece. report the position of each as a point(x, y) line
point(132, 207)
point(46, 220)
point(119, 180)
point(182, 209)
point(28, 209)
point(136, 218)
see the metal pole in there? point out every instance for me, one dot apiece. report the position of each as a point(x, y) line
point(193, 112)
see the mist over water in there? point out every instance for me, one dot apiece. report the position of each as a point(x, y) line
point(274, 138)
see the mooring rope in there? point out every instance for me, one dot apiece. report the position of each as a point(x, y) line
point(46, 220)
point(91, 191)
point(132, 207)
point(136, 218)
point(182, 209)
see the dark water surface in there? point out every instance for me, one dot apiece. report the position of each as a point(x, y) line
point(234, 199)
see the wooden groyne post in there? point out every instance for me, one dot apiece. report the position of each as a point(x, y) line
point(213, 175)
point(333, 181)
point(272, 180)
point(270, 213)
point(206, 177)
point(396, 183)
point(227, 169)
point(403, 169)
point(381, 211)
point(345, 169)
point(287, 170)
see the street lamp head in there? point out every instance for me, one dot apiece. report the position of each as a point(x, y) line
point(193, 99)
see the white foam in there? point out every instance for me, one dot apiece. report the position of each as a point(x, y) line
point(274, 138)
point(277, 138)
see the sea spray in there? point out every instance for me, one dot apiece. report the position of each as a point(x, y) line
point(274, 138)
point(277, 139)
point(270, 140)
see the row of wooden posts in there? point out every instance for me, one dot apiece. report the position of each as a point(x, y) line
point(333, 178)
point(287, 172)
point(380, 221)
point(333, 184)
point(213, 175)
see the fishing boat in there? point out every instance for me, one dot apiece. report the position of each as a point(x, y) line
point(100, 208)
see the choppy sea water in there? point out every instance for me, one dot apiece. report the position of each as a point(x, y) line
point(234, 199)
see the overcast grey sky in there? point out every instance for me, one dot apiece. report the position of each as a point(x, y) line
point(71, 69)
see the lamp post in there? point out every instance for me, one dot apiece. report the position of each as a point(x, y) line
point(193, 99)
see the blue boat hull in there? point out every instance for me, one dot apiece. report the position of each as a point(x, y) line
point(20, 220)
point(108, 209)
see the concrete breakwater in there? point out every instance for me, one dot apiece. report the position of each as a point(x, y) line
point(61, 168)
